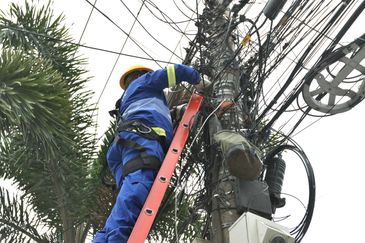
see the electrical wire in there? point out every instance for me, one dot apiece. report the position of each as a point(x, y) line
point(202, 126)
point(188, 7)
point(325, 115)
point(293, 74)
point(87, 22)
point(164, 14)
point(331, 58)
point(284, 54)
point(117, 59)
point(182, 12)
point(154, 38)
point(181, 37)
point(300, 230)
point(81, 45)
point(116, 25)
point(170, 23)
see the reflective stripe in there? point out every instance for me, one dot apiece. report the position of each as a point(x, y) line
point(160, 131)
point(171, 75)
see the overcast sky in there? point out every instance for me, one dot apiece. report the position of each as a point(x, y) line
point(334, 145)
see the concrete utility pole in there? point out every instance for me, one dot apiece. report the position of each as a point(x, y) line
point(217, 32)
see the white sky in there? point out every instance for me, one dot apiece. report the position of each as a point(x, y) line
point(334, 145)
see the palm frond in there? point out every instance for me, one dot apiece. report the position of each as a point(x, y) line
point(30, 93)
point(18, 222)
point(102, 179)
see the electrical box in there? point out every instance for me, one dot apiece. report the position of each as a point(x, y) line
point(251, 228)
point(253, 195)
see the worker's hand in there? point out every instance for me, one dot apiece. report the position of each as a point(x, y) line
point(202, 86)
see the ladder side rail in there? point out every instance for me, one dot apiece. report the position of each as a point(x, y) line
point(148, 213)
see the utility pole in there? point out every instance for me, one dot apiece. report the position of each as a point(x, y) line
point(224, 72)
point(234, 103)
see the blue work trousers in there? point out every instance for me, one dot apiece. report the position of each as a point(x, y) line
point(134, 188)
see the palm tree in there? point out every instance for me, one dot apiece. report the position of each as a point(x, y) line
point(46, 142)
point(47, 145)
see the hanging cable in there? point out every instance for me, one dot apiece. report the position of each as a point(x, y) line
point(136, 19)
point(87, 22)
point(117, 59)
point(296, 70)
point(170, 22)
point(84, 46)
point(300, 230)
point(110, 20)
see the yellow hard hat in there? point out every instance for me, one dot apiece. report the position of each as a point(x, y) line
point(132, 69)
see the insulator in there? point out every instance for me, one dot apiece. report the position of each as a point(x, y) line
point(273, 8)
point(275, 172)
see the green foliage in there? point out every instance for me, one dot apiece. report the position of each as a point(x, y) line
point(18, 222)
point(47, 143)
point(30, 92)
point(46, 138)
point(105, 195)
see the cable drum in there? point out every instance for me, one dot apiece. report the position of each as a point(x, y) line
point(337, 95)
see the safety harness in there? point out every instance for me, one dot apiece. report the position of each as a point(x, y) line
point(143, 160)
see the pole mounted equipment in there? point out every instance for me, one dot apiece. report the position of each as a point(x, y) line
point(340, 85)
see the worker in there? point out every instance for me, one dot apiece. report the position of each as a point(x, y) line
point(143, 135)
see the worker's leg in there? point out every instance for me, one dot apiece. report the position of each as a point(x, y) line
point(100, 237)
point(129, 203)
point(133, 192)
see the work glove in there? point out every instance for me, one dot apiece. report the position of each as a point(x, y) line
point(202, 86)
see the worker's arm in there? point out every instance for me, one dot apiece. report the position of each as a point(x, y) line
point(172, 75)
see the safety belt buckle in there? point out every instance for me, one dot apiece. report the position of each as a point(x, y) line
point(142, 128)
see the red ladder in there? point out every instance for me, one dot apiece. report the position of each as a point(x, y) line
point(159, 187)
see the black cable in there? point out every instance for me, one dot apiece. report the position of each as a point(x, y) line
point(87, 22)
point(306, 113)
point(301, 229)
point(191, 51)
point(295, 71)
point(261, 73)
point(324, 61)
point(117, 59)
point(182, 12)
point(263, 95)
point(258, 28)
point(81, 45)
point(166, 16)
point(292, 47)
point(313, 28)
point(188, 7)
point(256, 31)
point(110, 20)
point(136, 19)
point(163, 14)
point(267, 48)
point(345, 28)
